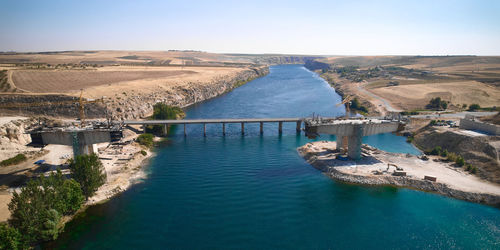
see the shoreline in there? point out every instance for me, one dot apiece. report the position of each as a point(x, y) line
point(320, 156)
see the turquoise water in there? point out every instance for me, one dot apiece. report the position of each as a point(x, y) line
point(255, 192)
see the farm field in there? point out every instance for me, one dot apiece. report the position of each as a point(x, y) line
point(51, 81)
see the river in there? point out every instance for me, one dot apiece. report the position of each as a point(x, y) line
point(255, 192)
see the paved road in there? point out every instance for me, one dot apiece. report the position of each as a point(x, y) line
point(455, 115)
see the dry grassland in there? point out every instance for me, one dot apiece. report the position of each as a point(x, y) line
point(415, 96)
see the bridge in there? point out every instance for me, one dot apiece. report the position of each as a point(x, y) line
point(223, 122)
point(349, 132)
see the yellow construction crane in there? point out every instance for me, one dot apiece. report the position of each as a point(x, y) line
point(81, 103)
point(347, 101)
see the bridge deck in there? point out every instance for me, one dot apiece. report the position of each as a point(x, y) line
point(206, 121)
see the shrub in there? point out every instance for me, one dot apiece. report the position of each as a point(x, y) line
point(474, 107)
point(452, 157)
point(433, 122)
point(144, 152)
point(436, 150)
point(10, 238)
point(145, 139)
point(444, 153)
point(460, 161)
point(14, 160)
point(88, 171)
point(473, 170)
point(468, 168)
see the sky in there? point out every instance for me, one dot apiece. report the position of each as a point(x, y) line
point(355, 27)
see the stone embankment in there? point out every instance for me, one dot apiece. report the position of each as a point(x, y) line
point(129, 106)
point(320, 155)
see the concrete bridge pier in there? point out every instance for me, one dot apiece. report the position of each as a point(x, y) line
point(165, 129)
point(354, 143)
point(261, 128)
point(299, 124)
point(280, 127)
point(242, 128)
point(185, 130)
point(223, 128)
point(340, 142)
point(204, 129)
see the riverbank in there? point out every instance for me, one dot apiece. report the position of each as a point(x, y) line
point(373, 169)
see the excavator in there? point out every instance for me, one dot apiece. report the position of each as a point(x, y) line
point(347, 101)
point(81, 105)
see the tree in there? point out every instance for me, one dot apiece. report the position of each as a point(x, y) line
point(66, 195)
point(89, 172)
point(474, 107)
point(36, 211)
point(145, 139)
point(10, 238)
point(162, 111)
point(437, 104)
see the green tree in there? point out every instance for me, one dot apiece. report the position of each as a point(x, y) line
point(29, 212)
point(162, 111)
point(66, 194)
point(36, 211)
point(474, 107)
point(436, 150)
point(145, 139)
point(10, 238)
point(89, 172)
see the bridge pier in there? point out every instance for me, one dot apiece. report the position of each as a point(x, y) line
point(165, 130)
point(185, 129)
point(144, 128)
point(340, 142)
point(354, 144)
point(242, 128)
point(261, 128)
point(204, 129)
point(299, 123)
point(223, 128)
point(280, 127)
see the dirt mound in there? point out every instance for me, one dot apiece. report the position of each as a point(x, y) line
point(480, 151)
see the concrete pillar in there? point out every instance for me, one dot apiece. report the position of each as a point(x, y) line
point(299, 124)
point(354, 150)
point(280, 127)
point(340, 141)
point(185, 129)
point(242, 128)
point(261, 128)
point(143, 128)
point(223, 128)
point(165, 130)
point(204, 129)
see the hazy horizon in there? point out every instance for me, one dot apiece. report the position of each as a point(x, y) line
point(325, 28)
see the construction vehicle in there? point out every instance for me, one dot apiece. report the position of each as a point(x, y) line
point(347, 101)
point(80, 102)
